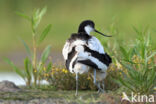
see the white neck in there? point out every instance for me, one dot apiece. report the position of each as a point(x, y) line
point(88, 29)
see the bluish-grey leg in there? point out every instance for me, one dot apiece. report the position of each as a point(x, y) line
point(100, 90)
point(95, 76)
point(76, 84)
point(103, 85)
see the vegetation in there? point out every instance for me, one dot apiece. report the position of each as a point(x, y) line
point(134, 63)
point(64, 80)
point(33, 67)
point(62, 97)
point(138, 64)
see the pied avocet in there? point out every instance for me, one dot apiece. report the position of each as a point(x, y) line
point(84, 53)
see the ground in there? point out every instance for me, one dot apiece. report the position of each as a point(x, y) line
point(45, 94)
point(40, 96)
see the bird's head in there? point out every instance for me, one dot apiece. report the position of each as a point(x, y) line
point(88, 26)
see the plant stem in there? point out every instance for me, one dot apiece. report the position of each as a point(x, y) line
point(34, 59)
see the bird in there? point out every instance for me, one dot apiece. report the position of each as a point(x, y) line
point(84, 53)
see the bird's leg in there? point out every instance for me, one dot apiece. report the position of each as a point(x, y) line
point(103, 86)
point(95, 76)
point(100, 90)
point(76, 84)
point(98, 86)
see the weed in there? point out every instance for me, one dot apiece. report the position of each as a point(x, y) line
point(34, 68)
point(139, 70)
point(64, 80)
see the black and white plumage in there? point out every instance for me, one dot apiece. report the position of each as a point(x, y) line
point(84, 53)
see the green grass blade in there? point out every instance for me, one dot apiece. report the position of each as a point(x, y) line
point(27, 68)
point(126, 84)
point(152, 77)
point(18, 71)
point(124, 53)
point(37, 16)
point(49, 67)
point(44, 33)
point(26, 47)
point(152, 55)
point(42, 12)
point(45, 54)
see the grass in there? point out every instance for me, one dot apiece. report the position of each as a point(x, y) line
point(138, 65)
point(32, 94)
point(135, 61)
point(84, 96)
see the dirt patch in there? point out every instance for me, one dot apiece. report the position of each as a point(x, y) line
point(7, 86)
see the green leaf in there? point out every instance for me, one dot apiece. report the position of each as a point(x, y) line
point(152, 79)
point(152, 55)
point(45, 54)
point(49, 67)
point(148, 41)
point(44, 33)
point(26, 47)
point(18, 71)
point(28, 67)
point(24, 16)
point(126, 84)
point(40, 67)
point(37, 16)
point(43, 11)
point(124, 52)
point(35, 19)
point(132, 73)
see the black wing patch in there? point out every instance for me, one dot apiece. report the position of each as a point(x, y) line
point(104, 58)
point(89, 63)
point(70, 56)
